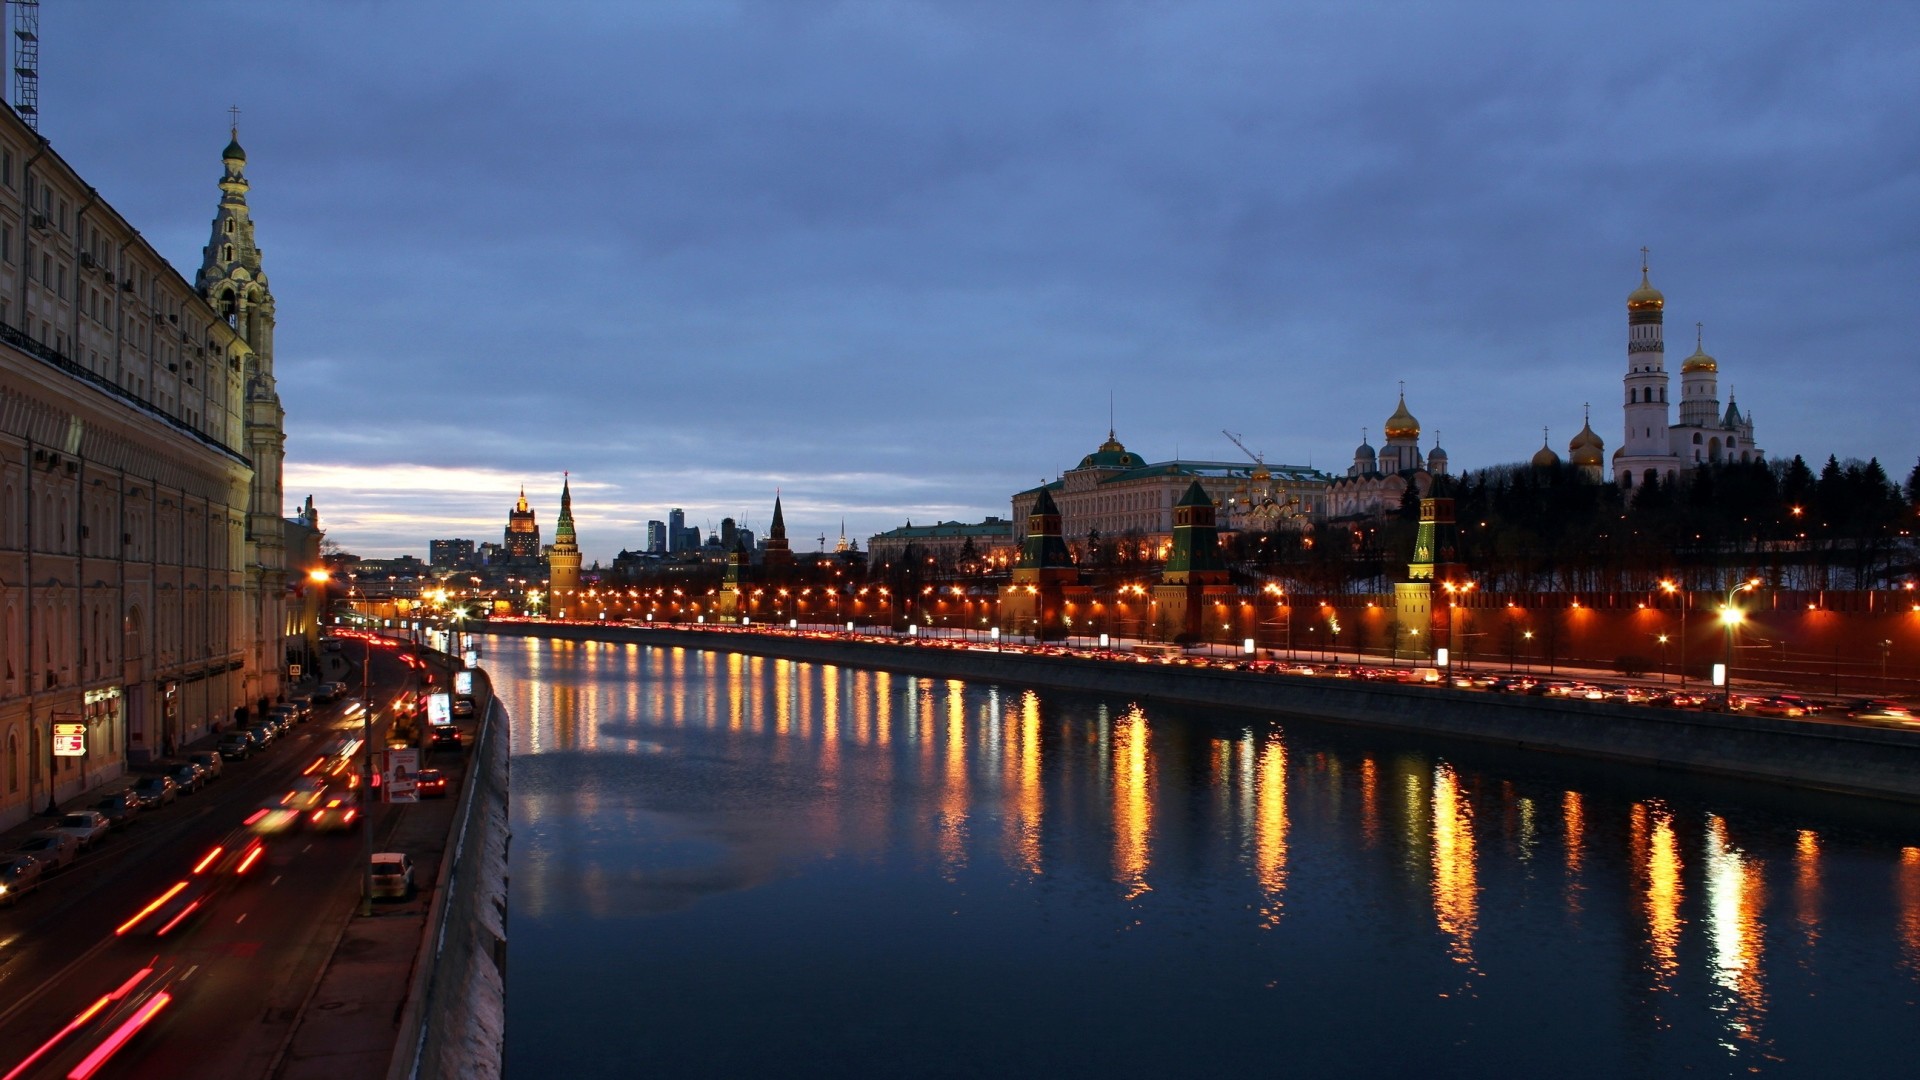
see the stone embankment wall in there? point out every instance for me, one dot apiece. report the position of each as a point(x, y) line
point(454, 1025)
point(1835, 757)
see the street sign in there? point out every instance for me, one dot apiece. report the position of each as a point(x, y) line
point(69, 740)
point(293, 671)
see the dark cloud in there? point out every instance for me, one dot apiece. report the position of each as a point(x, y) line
point(895, 257)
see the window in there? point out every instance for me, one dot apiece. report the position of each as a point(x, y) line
point(6, 166)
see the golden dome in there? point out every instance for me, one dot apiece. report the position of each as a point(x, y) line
point(1586, 447)
point(1646, 297)
point(1545, 458)
point(1699, 361)
point(1402, 425)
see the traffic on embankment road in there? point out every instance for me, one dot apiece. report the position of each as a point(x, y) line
point(1780, 741)
point(188, 939)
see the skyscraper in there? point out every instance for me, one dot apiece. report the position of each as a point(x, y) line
point(677, 531)
point(522, 539)
point(656, 537)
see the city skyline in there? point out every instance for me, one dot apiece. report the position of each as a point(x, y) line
point(900, 262)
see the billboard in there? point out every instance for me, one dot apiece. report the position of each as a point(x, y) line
point(463, 683)
point(401, 765)
point(69, 740)
point(439, 709)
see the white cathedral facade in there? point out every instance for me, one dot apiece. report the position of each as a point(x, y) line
point(1655, 447)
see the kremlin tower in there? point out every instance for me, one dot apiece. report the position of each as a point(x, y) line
point(563, 561)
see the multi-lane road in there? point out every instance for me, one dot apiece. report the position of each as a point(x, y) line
point(218, 994)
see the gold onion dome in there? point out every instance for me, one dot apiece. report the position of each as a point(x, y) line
point(1646, 297)
point(1545, 458)
point(1699, 361)
point(1402, 425)
point(1585, 449)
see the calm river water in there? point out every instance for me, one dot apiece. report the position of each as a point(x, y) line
point(727, 866)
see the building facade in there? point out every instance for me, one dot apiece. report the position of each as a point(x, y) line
point(451, 553)
point(522, 537)
point(991, 542)
point(143, 562)
point(1116, 495)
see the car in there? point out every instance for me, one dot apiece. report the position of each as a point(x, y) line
point(329, 691)
point(55, 850)
point(336, 814)
point(1880, 711)
point(155, 791)
point(89, 827)
point(280, 721)
point(430, 784)
point(188, 777)
point(263, 734)
point(463, 706)
point(209, 762)
point(307, 793)
point(19, 875)
point(1779, 705)
point(119, 809)
point(236, 746)
point(393, 874)
point(303, 702)
point(445, 737)
point(221, 868)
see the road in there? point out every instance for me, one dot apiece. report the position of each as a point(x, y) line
point(235, 972)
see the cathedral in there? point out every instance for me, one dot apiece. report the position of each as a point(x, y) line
point(1655, 447)
point(1377, 481)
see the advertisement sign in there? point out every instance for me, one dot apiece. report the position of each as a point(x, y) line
point(463, 683)
point(69, 740)
point(439, 709)
point(401, 765)
point(472, 657)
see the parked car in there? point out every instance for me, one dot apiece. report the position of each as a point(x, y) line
point(119, 809)
point(263, 734)
point(430, 784)
point(187, 777)
point(155, 791)
point(19, 875)
point(445, 737)
point(55, 850)
point(236, 746)
point(89, 827)
point(393, 874)
point(210, 762)
point(329, 691)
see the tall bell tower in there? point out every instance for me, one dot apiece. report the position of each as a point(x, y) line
point(232, 281)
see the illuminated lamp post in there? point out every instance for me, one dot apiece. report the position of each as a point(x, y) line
point(1670, 587)
point(1731, 617)
point(1662, 638)
point(366, 784)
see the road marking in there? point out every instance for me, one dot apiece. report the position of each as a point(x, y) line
point(242, 918)
point(306, 849)
point(189, 973)
point(275, 881)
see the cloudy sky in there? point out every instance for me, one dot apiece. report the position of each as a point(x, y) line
point(894, 259)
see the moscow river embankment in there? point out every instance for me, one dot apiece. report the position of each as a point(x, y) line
point(1810, 754)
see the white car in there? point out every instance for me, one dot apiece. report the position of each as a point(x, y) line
point(54, 849)
point(393, 874)
point(89, 827)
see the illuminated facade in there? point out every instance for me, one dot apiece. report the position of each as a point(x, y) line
point(1379, 481)
point(1115, 494)
point(522, 538)
point(143, 560)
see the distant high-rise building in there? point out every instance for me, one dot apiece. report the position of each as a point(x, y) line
point(450, 552)
point(563, 559)
point(689, 540)
point(522, 539)
point(677, 531)
point(490, 554)
point(656, 537)
point(729, 533)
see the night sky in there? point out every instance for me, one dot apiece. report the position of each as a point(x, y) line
point(895, 259)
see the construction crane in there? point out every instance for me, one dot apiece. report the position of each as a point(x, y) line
point(26, 60)
point(1258, 459)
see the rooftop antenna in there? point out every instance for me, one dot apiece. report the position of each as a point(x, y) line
point(26, 60)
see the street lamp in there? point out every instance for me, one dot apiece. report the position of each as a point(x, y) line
point(366, 781)
point(1662, 638)
point(1731, 617)
point(1671, 588)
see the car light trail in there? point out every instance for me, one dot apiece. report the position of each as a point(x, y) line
point(176, 919)
point(150, 909)
point(119, 1038)
point(204, 863)
point(251, 857)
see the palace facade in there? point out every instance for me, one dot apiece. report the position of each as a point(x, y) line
point(143, 560)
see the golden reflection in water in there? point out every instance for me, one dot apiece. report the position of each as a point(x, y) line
point(883, 702)
point(677, 667)
point(1270, 830)
point(1456, 894)
point(1132, 803)
point(1573, 817)
point(1370, 801)
point(952, 823)
point(782, 698)
point(1907, 891)
point(1021, 780)
point(1735, 893)
point(566, 716)
point(830, 721)
point(1665, 891)
point(736, 691)
point(1806, 885)
point(1529, 830)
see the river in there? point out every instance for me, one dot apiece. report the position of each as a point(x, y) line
point(732, 866)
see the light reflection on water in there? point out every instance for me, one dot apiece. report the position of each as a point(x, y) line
point(729, 865)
